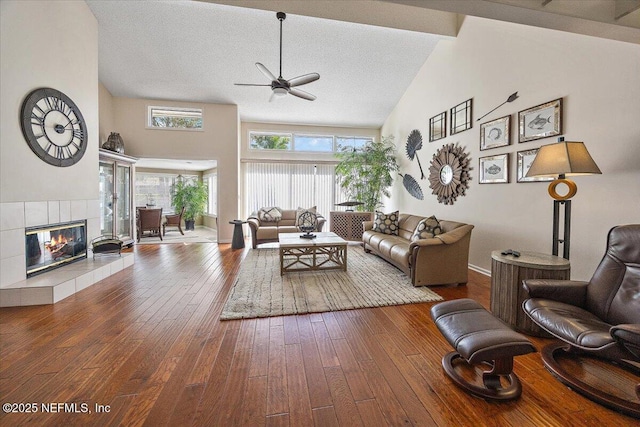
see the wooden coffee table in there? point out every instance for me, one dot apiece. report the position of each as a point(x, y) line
point(327, 251)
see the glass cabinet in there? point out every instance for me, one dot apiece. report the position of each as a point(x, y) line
point(116, 190)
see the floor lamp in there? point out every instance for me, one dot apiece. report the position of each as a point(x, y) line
point(559, 160)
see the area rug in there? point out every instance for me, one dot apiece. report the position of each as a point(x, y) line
point(199, 235)
point(260, 291)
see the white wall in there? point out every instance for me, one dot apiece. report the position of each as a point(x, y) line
point(105, 102)
point(218, 141)
point(599, 81)
point(45, 44)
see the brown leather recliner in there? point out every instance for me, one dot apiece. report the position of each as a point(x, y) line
point(600, 317)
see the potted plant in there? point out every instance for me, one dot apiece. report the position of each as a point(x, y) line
point(193, 196)
point(366, 175)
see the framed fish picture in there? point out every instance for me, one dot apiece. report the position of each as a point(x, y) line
point(494, 169)
point(525, 159)
point(495, 133)
point(541, 121)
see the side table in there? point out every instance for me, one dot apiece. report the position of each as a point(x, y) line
point(348, 225)
point(238, 235)
point(507, 294)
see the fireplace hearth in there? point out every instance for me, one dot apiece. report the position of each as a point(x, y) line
point(54, 245)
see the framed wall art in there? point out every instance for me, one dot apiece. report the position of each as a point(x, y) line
point(460, 117)
point(495, 133)
point(525, 158)
point(494, 169)
point(438, 126)
point(541, 121)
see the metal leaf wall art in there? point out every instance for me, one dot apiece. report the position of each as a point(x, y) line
point(412, 186)
point(414, 143)
point(449, 173)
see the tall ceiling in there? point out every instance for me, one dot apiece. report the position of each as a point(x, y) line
point(367, 52)
point(196, 51)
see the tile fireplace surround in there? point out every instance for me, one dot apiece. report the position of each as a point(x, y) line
point(55, 285)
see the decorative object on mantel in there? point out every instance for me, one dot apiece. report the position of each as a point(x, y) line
point(449, 173)
point(561, 159)
point(438, 126)
point(414, 143)
point(541, 121)
point(412, 186)
point(511, 98)
point(54, 127)
point(495, 133)
point(494, 169)
point(461, 117)
point(114, 143)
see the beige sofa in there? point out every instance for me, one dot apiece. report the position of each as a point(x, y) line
point(267, 231)
point(441, 260)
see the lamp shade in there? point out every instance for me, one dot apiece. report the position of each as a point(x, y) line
point(563, 158)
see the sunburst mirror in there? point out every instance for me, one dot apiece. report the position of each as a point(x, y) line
point(449, 173)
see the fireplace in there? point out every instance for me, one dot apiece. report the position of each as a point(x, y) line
point(52, 246)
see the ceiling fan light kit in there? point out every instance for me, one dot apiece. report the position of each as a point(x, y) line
point(280, 86)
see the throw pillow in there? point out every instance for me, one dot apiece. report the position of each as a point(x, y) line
point(272, 214)
point(427, 228)
point(300, 211)
point(386, 223)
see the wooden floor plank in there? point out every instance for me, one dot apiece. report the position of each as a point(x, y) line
point(277, 390)
point(148, 342)
point(299, 403)
point(319, 393)
point(344, 403)
point(254, 404)
point(325, 417)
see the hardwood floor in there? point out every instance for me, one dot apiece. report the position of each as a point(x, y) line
point(147, 342)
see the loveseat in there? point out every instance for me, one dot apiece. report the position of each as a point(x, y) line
point(439, 260)
point(265, 227)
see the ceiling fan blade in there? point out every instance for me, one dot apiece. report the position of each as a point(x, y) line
point(248, 84)
point(272, 97)
point(302, 94)
point(265, 71)
point(303, 80)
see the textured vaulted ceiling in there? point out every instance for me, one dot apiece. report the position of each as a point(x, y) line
point(366, 51)
point(196, 51)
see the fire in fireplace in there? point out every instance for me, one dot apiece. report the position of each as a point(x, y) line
point(52, 246)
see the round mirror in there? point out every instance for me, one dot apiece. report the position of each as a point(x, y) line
point(446, 174)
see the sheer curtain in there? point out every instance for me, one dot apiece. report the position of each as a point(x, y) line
point(291, 185)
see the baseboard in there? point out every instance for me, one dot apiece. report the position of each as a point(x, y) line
point(480, 270)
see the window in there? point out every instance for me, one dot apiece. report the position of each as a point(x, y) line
point(291, 185)
point(270, 141)
point(313, 143)
point(352, 143)
point(306, 142)
point(211, 181)
point(155, 189)
point(175, 118)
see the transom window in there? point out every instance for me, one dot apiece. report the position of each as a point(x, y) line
point(175, 118)
point(306, 142)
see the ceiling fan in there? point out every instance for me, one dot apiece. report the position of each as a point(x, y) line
point(280, 86)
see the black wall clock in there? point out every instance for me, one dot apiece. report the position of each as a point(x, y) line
point(54, 127)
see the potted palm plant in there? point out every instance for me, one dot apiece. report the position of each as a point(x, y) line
point(366, 175)
point(193, 196)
